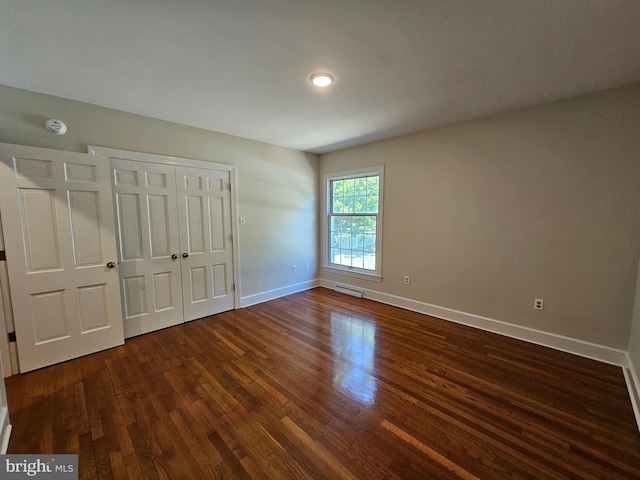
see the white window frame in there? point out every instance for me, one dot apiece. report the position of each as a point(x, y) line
point(326, 244)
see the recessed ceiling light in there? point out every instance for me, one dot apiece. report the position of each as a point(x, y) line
point(321, 79)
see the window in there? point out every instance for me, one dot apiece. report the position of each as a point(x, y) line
point(353, 227)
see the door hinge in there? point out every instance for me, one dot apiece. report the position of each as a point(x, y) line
point(3, 256)
point(229, 186)
point(12, 337)
point(233, 287)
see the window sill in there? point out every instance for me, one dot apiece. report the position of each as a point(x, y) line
point(373, 277)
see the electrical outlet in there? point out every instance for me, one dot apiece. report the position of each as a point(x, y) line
point(293, 268)
point(538, 304)
point(406, 280)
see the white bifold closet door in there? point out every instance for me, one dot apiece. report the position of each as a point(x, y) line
point(174, 237)
point(57, 219)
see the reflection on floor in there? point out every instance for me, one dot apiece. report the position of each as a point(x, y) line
point(353, 342)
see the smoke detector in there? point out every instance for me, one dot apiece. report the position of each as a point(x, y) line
point(55, 126)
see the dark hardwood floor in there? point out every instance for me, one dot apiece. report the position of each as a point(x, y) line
point(321, 385)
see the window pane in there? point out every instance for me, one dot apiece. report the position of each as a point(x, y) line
point(370, 261)
point(337, 196)
point(370, 243)
point(336, 257)
point(353, 218)
point(349, 187)
point(349, 204)
point(357, 261)
point(372, 204)
point(369, 224)
point(343, 257)
point(360, 185)
point(335, 224)
point(343, 240)
point(354, 241)
point(373, 186)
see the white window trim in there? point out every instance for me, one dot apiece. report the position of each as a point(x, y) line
point(376, 275)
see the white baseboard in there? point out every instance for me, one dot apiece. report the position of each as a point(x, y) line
point(633, 384)
point(277, 293)
point(594, 351)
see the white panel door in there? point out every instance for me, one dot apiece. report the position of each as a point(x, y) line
point(58, 224)
point(147, 220)
point(204, 213)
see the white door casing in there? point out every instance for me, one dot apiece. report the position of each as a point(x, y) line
point(204, 206)
point(148, 248)
point(58, 224)
point(8, 351)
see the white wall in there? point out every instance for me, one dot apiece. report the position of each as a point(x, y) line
point(277, 187)
point(487, 215)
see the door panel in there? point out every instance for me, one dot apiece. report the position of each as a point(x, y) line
point(49, 316)
point(194, 223)
point(145, 199)
point(219, 275)
point(135, 300)
point(92, 300)
point(85, 228)
point(58, 222)
point(159, 227)
point(39, 222)
point(162, 291)
point(204, 203)
point(130, 226)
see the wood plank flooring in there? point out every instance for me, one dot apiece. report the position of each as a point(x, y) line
point(321, 385)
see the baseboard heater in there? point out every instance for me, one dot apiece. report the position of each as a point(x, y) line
point(353, 291)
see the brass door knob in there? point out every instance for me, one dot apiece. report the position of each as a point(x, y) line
point(185, 254)
point(111, 265)
point(174, 256)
